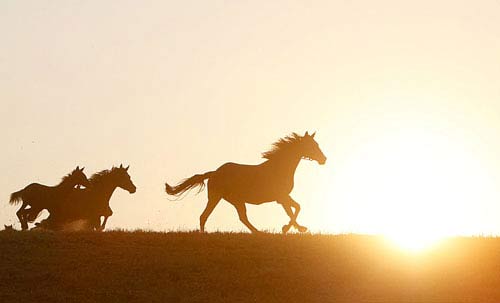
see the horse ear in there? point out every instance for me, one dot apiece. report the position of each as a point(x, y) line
point(306, 134)
point(81, 169)
point(121, 165)
point(314, 134)
point(126, 169)
point(78, 167)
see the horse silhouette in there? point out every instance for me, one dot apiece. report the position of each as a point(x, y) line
point(272, 180)
point(91, 203)
point(40, 197)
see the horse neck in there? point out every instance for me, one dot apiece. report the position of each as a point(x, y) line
point(104, 189)
point(66, 184)
point(286, 164)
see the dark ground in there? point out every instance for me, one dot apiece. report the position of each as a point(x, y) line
point(224, 267)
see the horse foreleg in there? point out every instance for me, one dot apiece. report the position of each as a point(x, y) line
point(287, 204)
point(290, 213)
point(299, 227)
point(103, 225)
point(106, 214)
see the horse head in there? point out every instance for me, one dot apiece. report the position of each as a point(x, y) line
point(310, 149)
point(78, 177)
point(123, 180)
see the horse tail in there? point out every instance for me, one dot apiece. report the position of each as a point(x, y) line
point(17, 197)
point(188, 184)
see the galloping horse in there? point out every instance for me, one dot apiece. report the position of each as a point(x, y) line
point(40, 197)
point(269, 181)
point(91, 203)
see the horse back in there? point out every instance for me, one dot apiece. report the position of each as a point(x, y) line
point(37, 191)
point(251, 183)
point(263, 172)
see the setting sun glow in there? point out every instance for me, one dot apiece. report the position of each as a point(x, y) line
point(413, 186)
point(413, 240)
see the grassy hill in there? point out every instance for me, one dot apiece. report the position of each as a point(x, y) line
point(225, 267)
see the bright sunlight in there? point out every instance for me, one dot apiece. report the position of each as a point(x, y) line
point(413, 240)
point(414, 188)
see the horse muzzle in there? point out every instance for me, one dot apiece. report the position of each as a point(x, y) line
point(132, 190)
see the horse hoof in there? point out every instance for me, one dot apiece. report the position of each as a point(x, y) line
point(285, 228)
point(302, 229)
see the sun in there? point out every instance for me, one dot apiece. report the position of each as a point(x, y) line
point(414, 188)
point(414, 240)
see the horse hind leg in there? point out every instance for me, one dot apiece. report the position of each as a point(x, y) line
point(242, 213)
point(211, 204)
point(214, 198)
point(32, 214)
point(21, 215)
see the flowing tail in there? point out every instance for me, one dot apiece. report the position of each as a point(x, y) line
point(16, 198)
point(188, 184)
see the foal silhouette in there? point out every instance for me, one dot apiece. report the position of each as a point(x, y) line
point(40, 197)
point(269, 181)
point(91, 203)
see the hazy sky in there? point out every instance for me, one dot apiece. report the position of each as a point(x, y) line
point(405, 96)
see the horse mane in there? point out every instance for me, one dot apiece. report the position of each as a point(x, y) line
point(65, 178)
point(97, 177)
point(281, 146)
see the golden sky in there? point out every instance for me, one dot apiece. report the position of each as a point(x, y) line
point(405, 96)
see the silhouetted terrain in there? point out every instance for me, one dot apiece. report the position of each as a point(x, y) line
point(193, 267)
